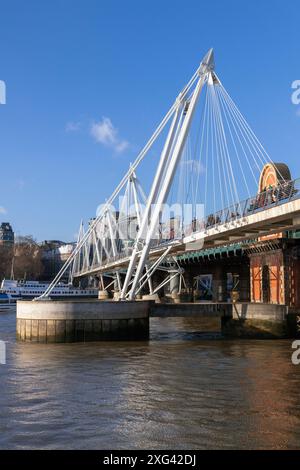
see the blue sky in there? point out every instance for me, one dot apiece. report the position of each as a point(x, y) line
point(69, 64)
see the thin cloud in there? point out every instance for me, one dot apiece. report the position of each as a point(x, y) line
point(194, 166)
point(3, 210)
point(20, 184)
point(105, 133)
point(72, 126)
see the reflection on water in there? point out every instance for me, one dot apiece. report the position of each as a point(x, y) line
point(186, 388)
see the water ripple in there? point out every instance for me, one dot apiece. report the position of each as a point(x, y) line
point(186, 388)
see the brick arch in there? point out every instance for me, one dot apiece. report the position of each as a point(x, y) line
point(272, 174)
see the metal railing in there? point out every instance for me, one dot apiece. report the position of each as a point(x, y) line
point(267, 199)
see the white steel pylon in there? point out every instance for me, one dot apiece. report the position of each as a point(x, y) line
point(167, 166)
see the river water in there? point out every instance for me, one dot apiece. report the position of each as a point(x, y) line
point(184, 389)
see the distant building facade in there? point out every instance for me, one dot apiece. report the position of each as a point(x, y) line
point(7, 235)
point(54, 255)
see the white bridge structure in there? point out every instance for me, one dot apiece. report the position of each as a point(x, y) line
point(203, 193)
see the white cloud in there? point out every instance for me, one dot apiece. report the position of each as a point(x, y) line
point(3, 210)
point(73, 126)
point(121, 146)
point(105, 133)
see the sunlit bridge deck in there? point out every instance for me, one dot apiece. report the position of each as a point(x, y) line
point(267, 213)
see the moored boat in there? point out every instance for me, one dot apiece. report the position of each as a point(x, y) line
point(32, 289)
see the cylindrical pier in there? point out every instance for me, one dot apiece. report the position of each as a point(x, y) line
point(65, 321)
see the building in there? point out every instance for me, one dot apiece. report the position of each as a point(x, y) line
point(264, 270)
point(7, 235)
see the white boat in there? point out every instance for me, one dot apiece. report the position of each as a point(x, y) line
point(31, 289)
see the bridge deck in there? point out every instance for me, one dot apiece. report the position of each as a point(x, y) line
point(267, 221)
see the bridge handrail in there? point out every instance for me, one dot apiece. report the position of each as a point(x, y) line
point(271, 197)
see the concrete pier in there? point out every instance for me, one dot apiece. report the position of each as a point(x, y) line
point(258, 320)
point(59, 321)
point(239, 320)
point(63, 321)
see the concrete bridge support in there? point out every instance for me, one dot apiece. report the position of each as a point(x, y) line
point(174, 288)
point(219, 284)
point(238, 320)
point(260, 321)
point(174, 285)
point(103, 295)
point(65, 321)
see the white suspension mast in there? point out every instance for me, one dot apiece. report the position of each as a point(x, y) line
point(170, 166)
point(151, 200)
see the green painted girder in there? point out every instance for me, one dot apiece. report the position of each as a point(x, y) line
point(212, 252)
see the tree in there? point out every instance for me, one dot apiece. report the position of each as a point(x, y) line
point(27, 258)
point(6, 255)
